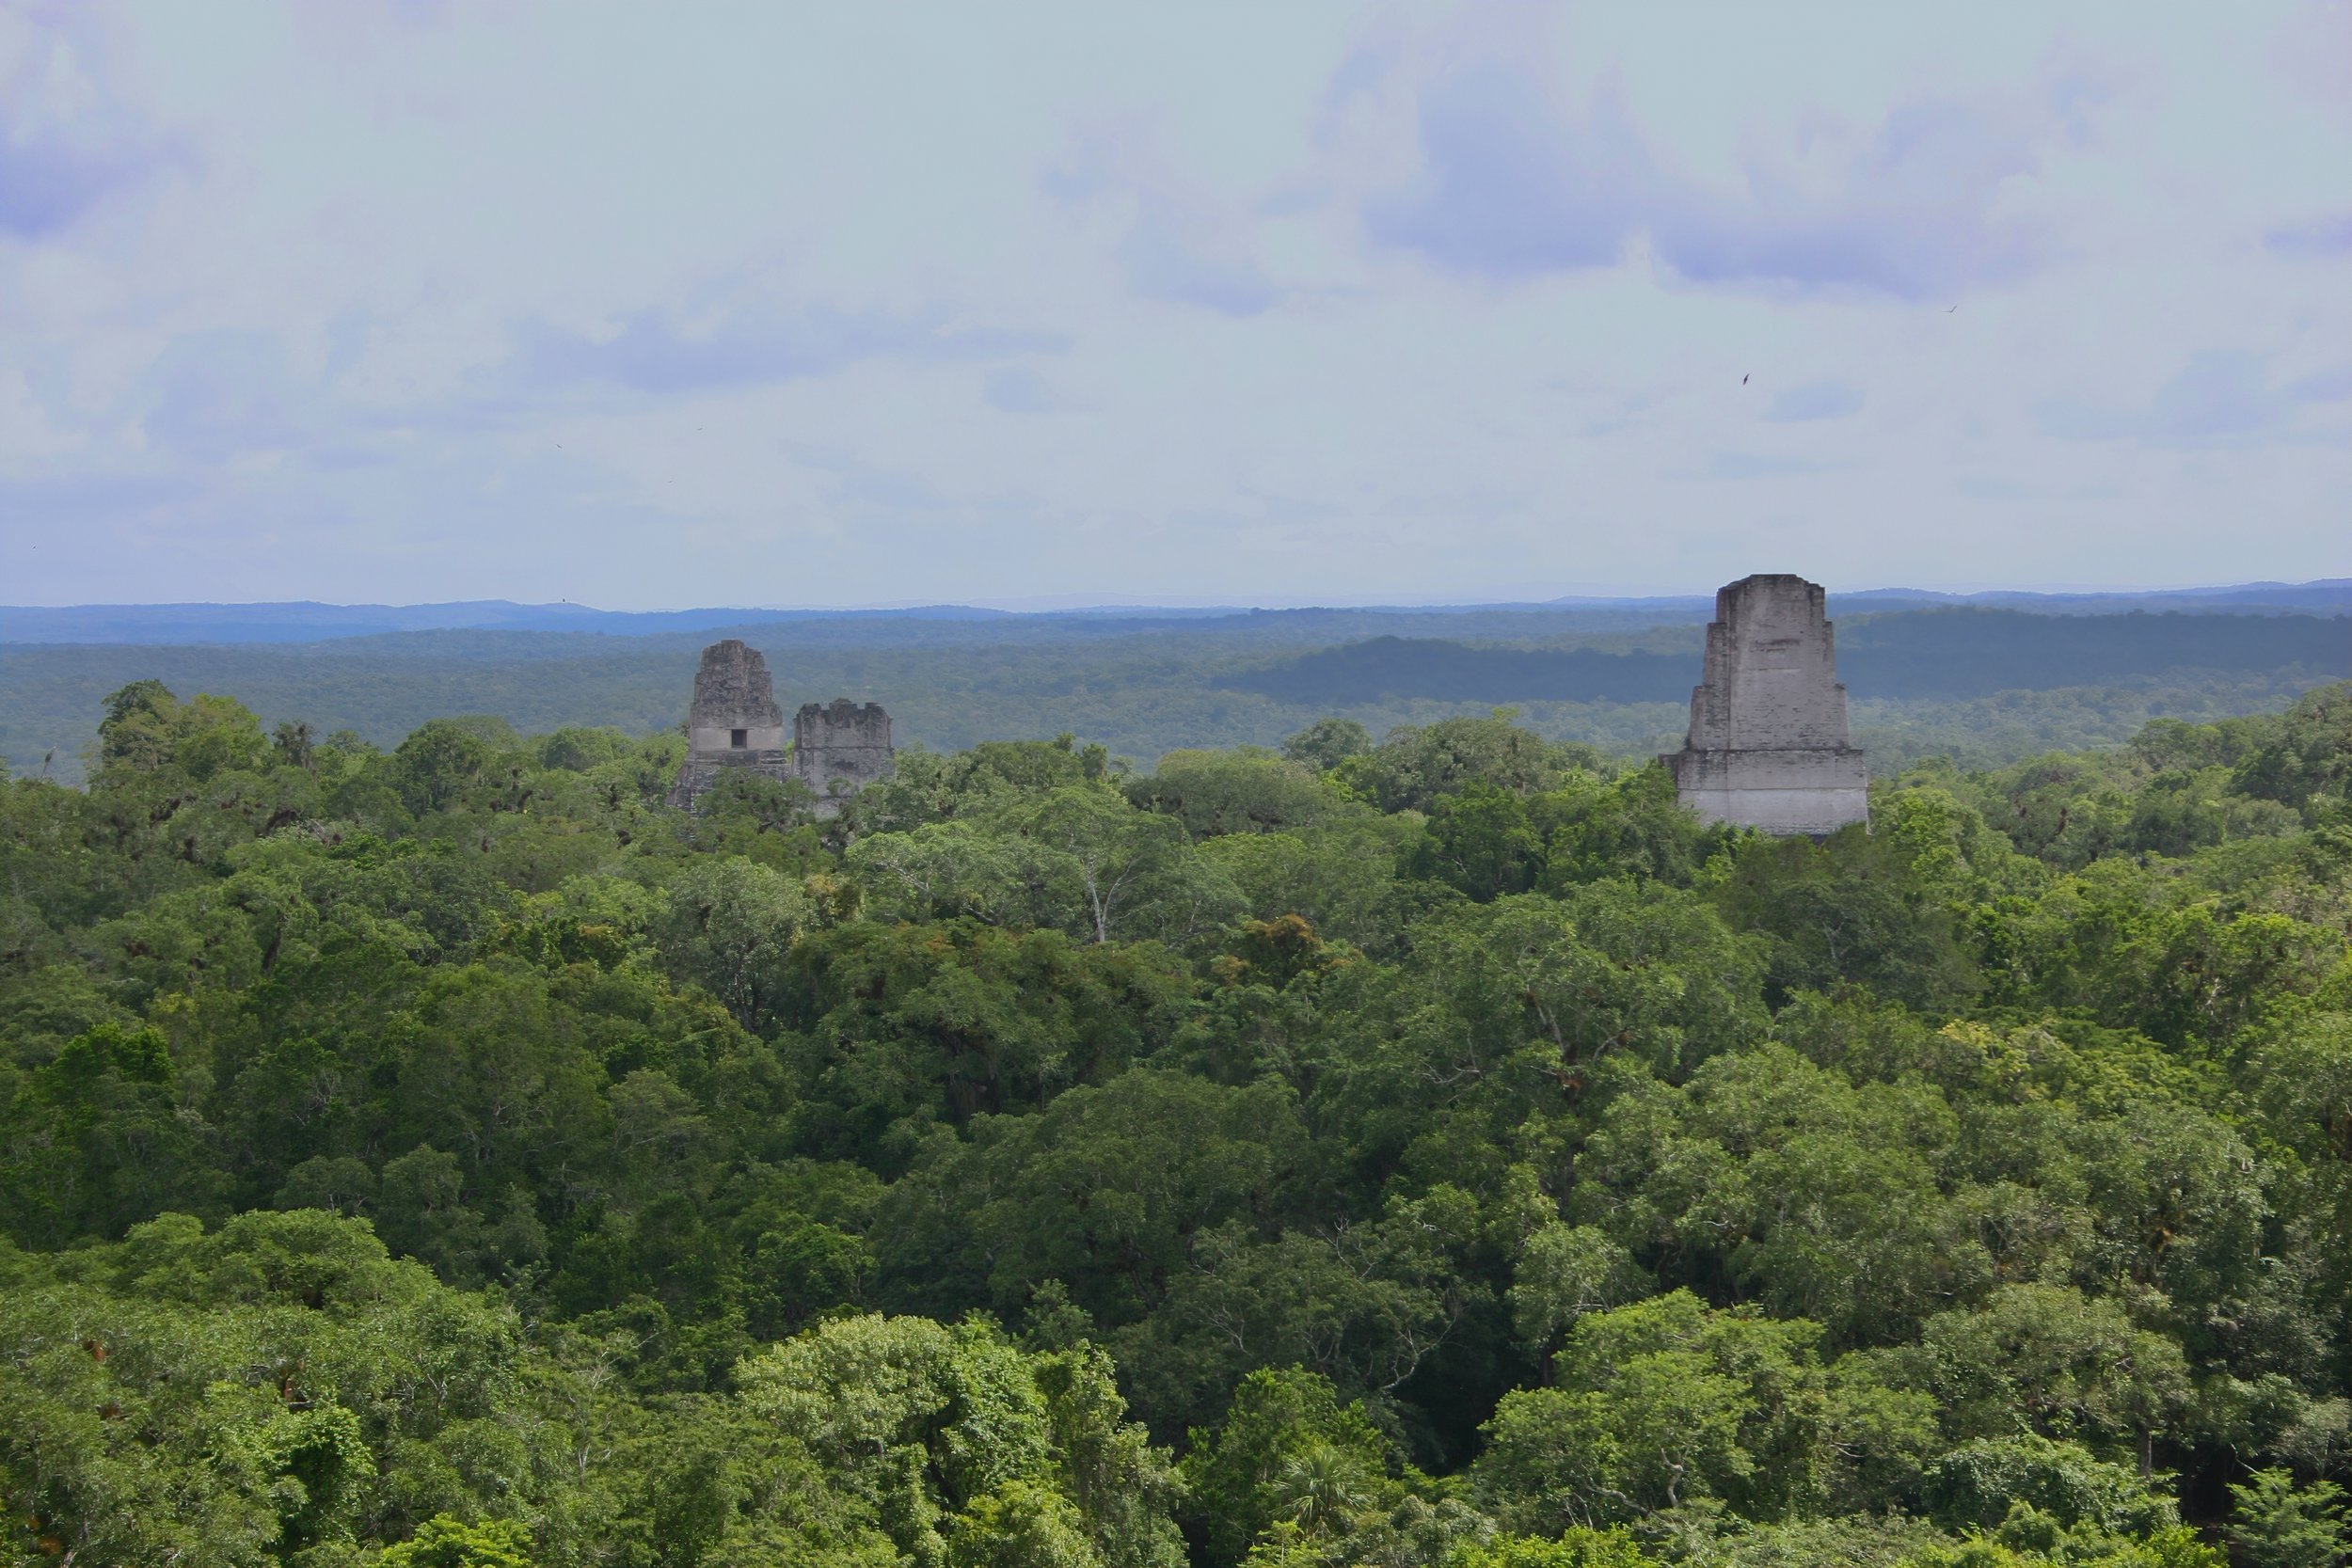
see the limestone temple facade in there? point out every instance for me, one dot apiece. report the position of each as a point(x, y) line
point(841, 746)
point(1767, 747)
point(735, 722)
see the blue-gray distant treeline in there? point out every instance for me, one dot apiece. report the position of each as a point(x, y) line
point(1988, 684)
point(1960, 653)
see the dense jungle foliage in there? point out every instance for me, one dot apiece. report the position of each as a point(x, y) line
point(1439, 1150)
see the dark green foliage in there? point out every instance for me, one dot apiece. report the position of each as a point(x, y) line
point(1217, 793)
point(2307, 757)
point(1284, 1433)
point(1438, 1152)
point(437, 764)
point(1980, 1482)
point(2277, 1524)
point(1328, 742)
point(442, 1542)
point(1413, 768)
point(94, 1143)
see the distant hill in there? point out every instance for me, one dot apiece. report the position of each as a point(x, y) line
point(225, 625)
point(1972, 653)
point(2321, 596)
point(1937, 654)
point(306, 622)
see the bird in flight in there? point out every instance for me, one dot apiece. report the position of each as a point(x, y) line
point(1743, 380)
point(1949, 308)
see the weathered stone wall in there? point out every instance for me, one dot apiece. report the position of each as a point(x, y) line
point(733, 696)
point(1769, 746)
point(841, 746)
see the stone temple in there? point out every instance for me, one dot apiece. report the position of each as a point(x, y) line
point(840, 747)
point(1768, 746)
point(735, 722)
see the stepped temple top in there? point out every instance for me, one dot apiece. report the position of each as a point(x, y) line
point(1767, 747)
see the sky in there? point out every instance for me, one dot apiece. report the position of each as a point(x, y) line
point(656, 306)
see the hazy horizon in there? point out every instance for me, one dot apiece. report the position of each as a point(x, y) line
point(1112, 600)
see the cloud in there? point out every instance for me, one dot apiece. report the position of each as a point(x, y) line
point(651, 352)
point(2325, 387)
point(1911, 210)
point(45, 185)
point(30, 429)
point(1512, 184)
point(1745, 465)
point(1018, 390)
point(1819, 400)
point(64, 148)
point(222, 396)
point(38, 502)
point(238, 399)
point(2318, 238)
point(2314, 51)
point(1176, 244)
point(1160, 265)
point(1508, 190)
point(217, 394)
point(2219, 397)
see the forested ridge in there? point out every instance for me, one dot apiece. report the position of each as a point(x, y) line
point(1431, 1150)
point(1934, 655)
point(1990, 686)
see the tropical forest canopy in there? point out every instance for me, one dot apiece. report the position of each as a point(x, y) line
point(1429, 1148)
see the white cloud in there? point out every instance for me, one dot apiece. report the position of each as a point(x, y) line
point(1521, 173)
point(1815, 400)
point(2226, 397)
